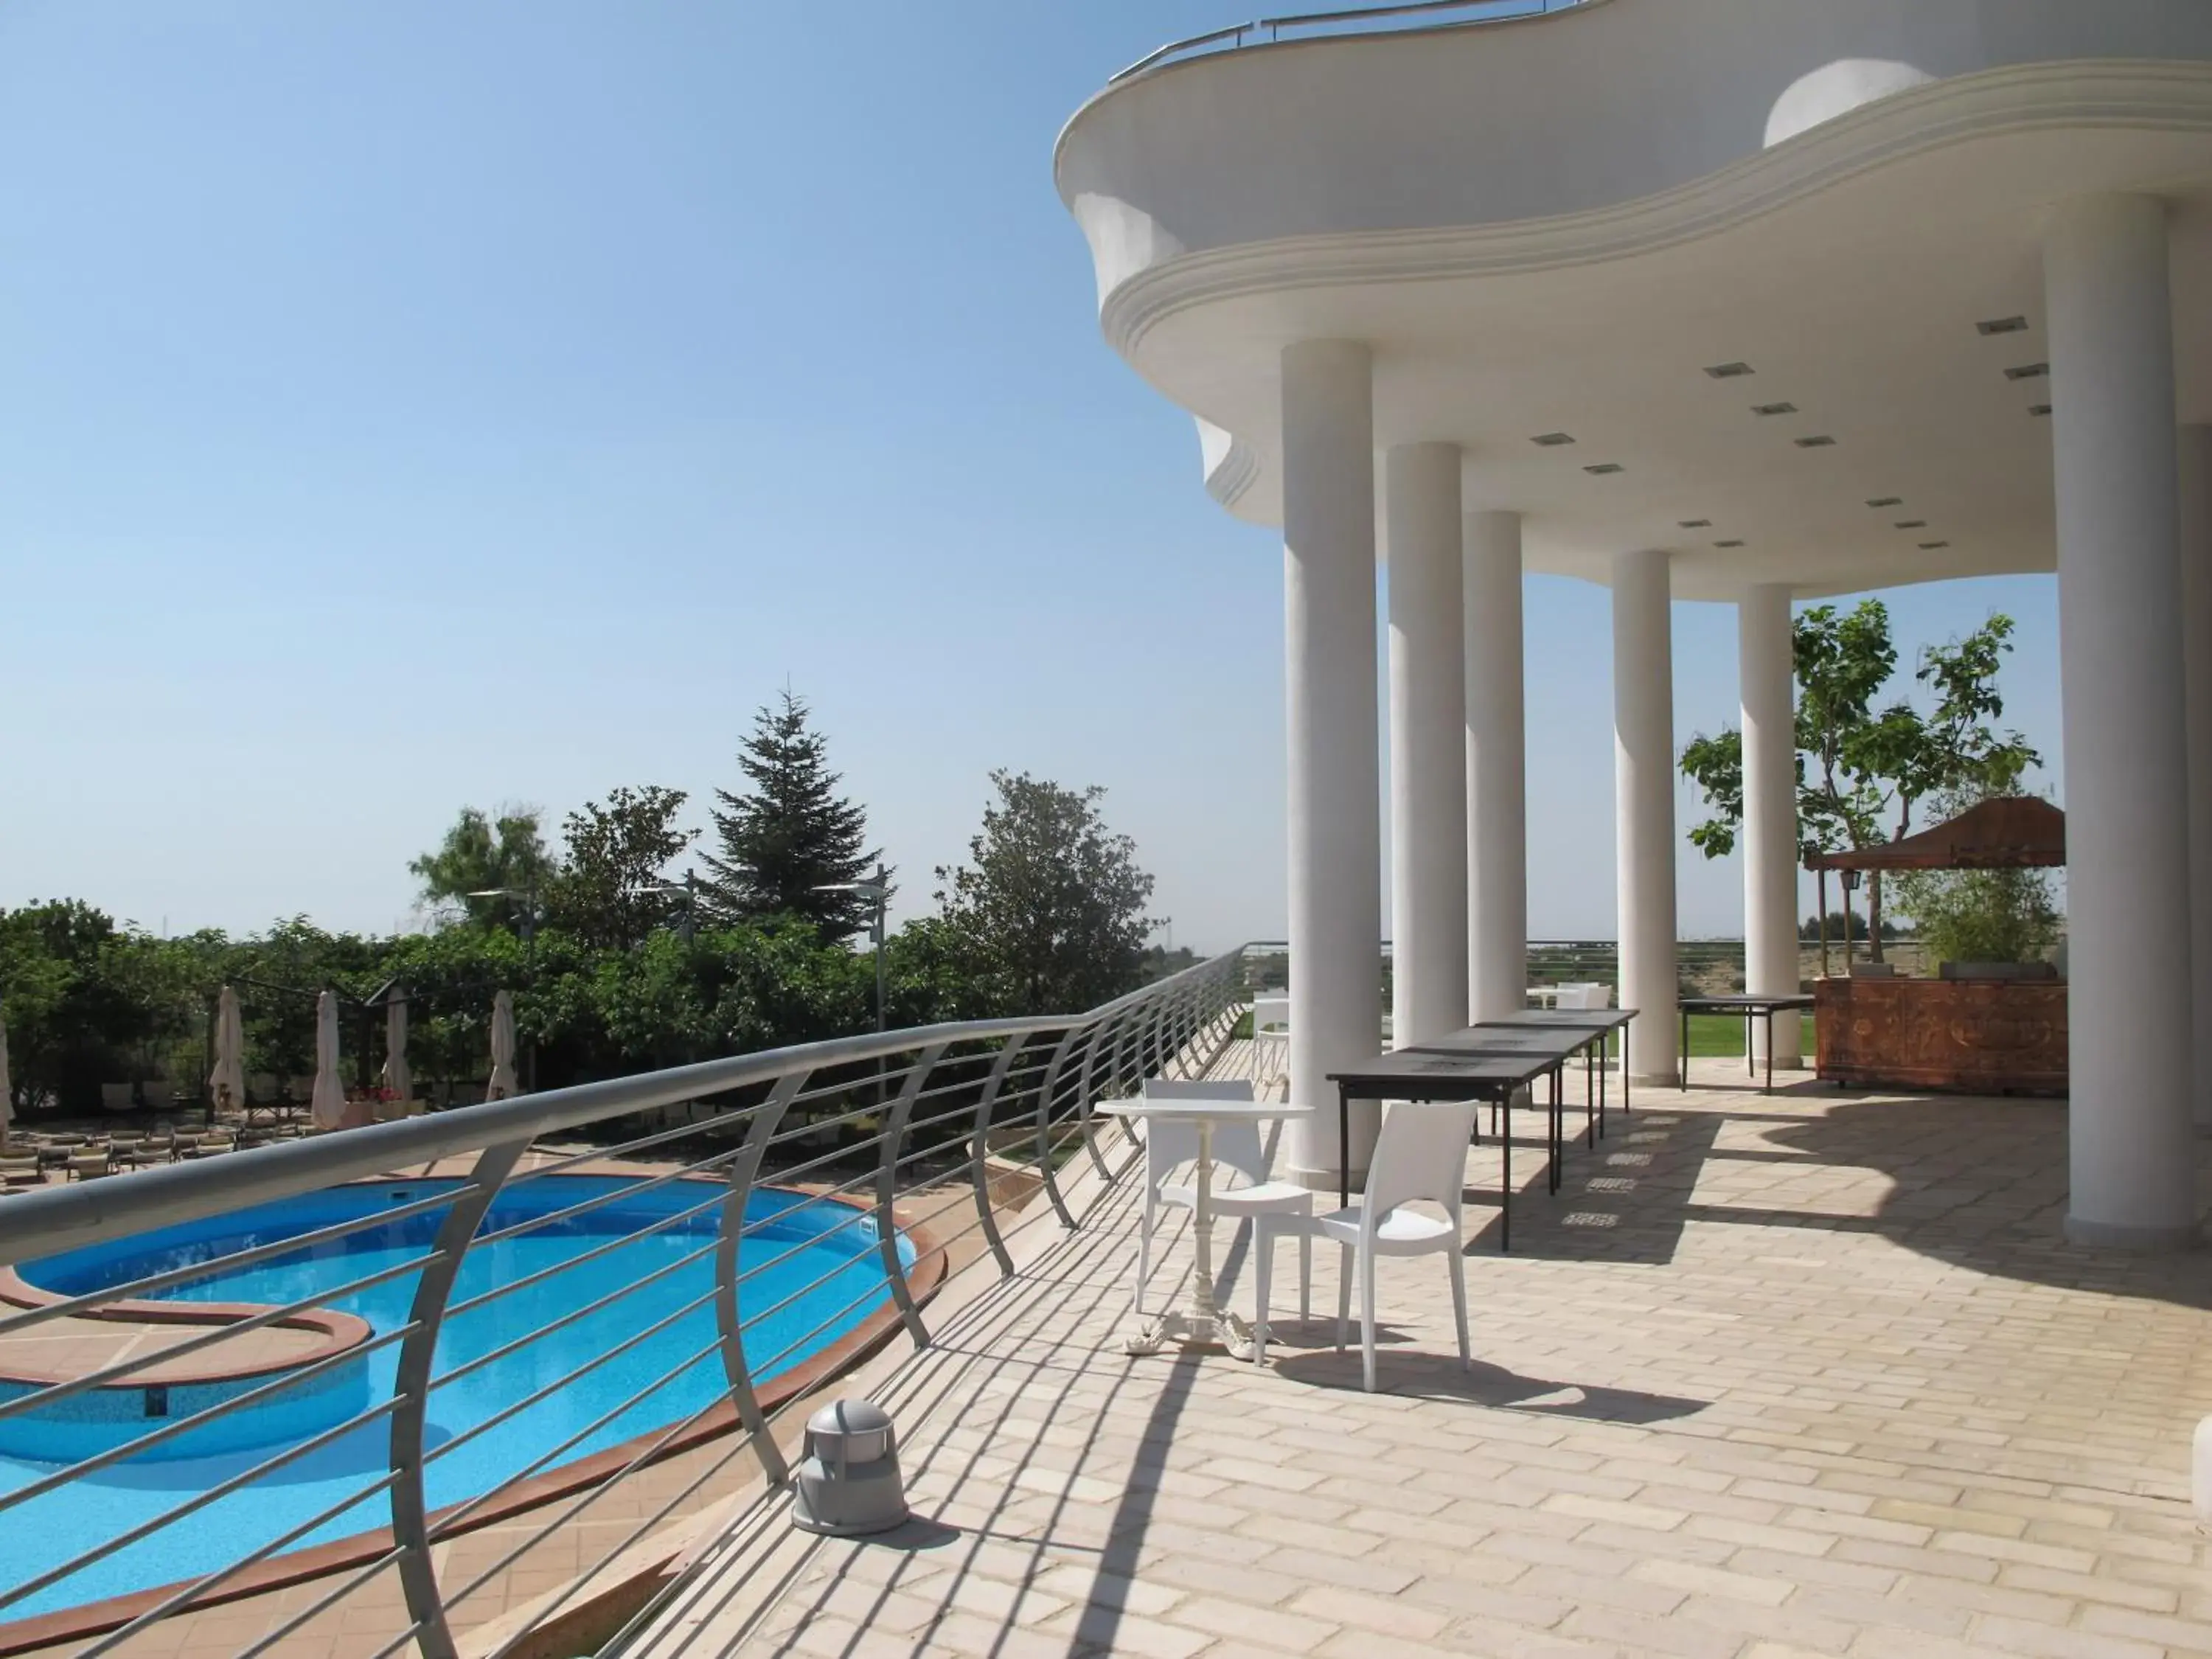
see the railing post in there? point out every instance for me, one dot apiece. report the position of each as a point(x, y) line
point(887, 1194)
point(982, 1173)
point(744, 1169)
point(411, 1517)
point(1171, 1023)
point(1132, 1054)
point(1156, 1020)
point(1086, 1096)
point(1129, 1031)
point(1044, 1128)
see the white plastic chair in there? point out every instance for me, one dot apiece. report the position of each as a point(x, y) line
point(1584, 993)
point(1420, 1158)
point(1237, 1146)
point(1271, 1034)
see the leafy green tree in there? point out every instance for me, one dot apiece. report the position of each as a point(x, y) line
point(609, 890)
point(482, 853)
point(277, 977)
point(1050, 910)
point(790, 834)
point(88, 1001)
point(1862, 771)
point(58, 1025)
point(451, 977)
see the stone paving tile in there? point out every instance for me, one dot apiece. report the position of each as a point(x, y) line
point(1773, 1377)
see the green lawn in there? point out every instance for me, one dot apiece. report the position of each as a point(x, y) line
point(1722, 1034)
point(1719, 1036)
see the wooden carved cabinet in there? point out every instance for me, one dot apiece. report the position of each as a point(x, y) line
point(1971, 1037)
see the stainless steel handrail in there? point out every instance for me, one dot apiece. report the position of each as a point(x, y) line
point(939, 1096)
point(1239, 34)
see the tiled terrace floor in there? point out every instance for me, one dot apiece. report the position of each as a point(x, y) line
point(1811, 1374)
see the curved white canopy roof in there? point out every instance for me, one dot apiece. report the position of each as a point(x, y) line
point(1772, 266)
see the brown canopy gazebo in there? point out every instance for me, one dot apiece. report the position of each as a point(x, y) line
point(2007, 832)
point(2011, 832)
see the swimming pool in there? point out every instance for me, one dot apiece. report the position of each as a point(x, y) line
point(791, 1240)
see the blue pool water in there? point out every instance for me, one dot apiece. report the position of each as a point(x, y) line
point(793, 1240)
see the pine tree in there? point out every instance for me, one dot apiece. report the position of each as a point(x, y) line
point(790, 834)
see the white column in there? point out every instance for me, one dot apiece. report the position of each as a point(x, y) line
point(1766, 668)
point(1428, 759)
point(1334, 806)
point(1497, 785)
point(1644, 792)
point(2130, 1134)
point(2196, 459)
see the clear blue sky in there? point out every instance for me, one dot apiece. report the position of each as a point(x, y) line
point(408, 404)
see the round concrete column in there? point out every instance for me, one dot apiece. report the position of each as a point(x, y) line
point(2130, 1131)
point(1497, 775)
point(1766, 667)
point(1643, 795)
point(1428, 759)
point(2196, 459)
point(1336, 774)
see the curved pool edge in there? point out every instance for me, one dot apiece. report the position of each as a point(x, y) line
point(925, 1276)
point(340, 1333)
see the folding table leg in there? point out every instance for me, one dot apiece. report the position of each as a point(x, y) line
point(1505, 1183)
point(1590, 1100)
point(1343, 1149)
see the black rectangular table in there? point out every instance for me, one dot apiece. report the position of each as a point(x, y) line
point(1490, 1041)
point(1412, 1076)
point(1598, 1026)
point(1751, 1008)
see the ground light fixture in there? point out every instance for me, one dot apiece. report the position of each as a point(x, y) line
point(849, 1484)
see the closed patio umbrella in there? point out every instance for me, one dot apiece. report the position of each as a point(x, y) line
point(398, 1081)
point(227, 1082)
point(6, 1093)
point(326, 1105)
point(503, 1084)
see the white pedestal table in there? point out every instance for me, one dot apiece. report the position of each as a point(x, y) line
point(1204, 1323)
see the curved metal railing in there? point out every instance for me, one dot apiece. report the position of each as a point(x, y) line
point(899, 1132)
point(1361, 19)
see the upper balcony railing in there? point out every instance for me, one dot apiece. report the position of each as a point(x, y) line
point(359, 1459)
point(1413, 17)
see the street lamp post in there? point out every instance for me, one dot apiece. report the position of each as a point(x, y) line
point(877, 893)
point(688, 929)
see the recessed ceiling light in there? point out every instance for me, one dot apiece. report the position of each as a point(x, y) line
point(1729, 371)
point(1774, 408)
point(2028, 371)
point(1551, 440)
point(2038, 409)
point(1821, 442)
point(1604, 467)
point(1886, 501)
point(1912, 524)
point(1697, 523)
point(1728, 543)
point(2003, 326)
point(1929, 547)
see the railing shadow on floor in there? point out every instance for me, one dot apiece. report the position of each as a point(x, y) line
point(1045, 1378)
